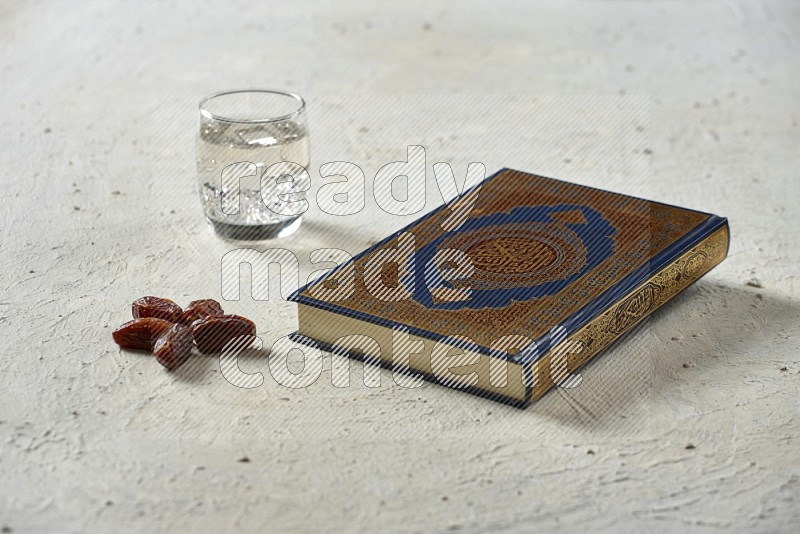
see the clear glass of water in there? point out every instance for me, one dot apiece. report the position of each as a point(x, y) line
point(252, 161)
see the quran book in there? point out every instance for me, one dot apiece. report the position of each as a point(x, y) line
point(511, 287)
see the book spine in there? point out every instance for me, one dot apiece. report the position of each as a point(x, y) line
point(627, 312)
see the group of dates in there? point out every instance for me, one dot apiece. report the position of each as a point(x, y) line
point(169, 331)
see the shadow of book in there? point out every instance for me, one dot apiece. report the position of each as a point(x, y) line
point(708, 349)
point(696, 355)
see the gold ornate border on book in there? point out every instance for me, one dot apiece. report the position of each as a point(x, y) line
point(620, 318)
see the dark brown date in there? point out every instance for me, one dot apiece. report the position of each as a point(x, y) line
point(157, 307)
point(174, 347)
point(197, 309)
point(213, 332)
point(140, 333)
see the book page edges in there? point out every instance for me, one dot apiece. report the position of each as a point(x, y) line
point(627, 312)
point(501, 380)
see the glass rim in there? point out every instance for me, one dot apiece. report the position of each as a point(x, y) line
point(221, 118)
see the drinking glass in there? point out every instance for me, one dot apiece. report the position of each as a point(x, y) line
point(252, 156)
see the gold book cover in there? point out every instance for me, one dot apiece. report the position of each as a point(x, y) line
point(509, 288)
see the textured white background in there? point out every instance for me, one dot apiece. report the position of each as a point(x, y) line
point(693, 103)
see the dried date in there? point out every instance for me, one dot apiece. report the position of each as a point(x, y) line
point(197, 309)
point(140, 333)
point(174, 347)
point(157, 307)
point(213, 332)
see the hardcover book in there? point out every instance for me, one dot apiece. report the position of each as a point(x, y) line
point(511, 287)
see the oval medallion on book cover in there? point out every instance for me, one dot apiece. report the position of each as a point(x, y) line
point(513, 255)
point(527, 253)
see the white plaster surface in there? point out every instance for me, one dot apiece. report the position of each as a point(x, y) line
point(692, 103)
